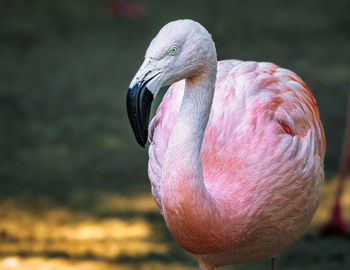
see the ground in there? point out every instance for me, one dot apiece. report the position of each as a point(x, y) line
point(123, 232)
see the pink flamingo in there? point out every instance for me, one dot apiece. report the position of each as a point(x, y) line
point(236, 158)
point(336, 224)
point(125, 8)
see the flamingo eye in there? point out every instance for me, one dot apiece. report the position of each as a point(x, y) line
point(173, 50)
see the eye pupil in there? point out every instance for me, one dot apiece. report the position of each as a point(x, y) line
point(173, 50)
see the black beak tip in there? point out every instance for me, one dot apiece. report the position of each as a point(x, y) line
point(139, 101)
point(141, 140)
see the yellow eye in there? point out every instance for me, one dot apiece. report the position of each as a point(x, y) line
point(173, 50)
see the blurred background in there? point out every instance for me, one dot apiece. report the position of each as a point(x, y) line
point(74, 191)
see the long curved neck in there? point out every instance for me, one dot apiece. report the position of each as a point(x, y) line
point(188, 133)
point(189, 209)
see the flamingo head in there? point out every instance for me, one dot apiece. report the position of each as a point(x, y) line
point(182, 49)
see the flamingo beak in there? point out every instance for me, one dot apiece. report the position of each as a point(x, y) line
point(139, 100)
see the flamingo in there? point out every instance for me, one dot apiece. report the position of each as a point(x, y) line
point(336, 225)
point(125, 8)
point(236, 155)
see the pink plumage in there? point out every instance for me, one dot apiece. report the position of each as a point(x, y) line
point(251, 164)
point(251, 186)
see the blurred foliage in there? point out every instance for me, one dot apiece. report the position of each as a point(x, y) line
point(66, 65)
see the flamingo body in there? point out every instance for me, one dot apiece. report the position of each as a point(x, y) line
point(236, 154)
point(262, 156)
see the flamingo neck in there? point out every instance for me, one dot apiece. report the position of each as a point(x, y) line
point(188, 133)
point(189, 210)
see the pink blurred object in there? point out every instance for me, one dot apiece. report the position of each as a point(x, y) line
point(336, 226)
point(125, 8)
